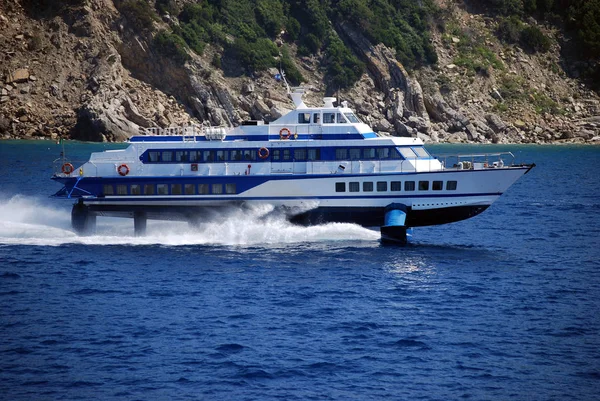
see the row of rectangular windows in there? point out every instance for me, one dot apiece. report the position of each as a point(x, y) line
point(169, 189)
point(395, 186)
point(298, 154)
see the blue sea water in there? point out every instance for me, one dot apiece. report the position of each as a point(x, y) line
point(502, 306)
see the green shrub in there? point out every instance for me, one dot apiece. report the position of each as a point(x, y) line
point(167, 7)
point(255, 56)
point(534, 39)
point(293, 28)
point(138, 13)
point(509, 29)
point(292, 73)
point(343, 68)
point(269, 14)
point(171, 46)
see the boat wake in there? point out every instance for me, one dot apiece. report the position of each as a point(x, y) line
point(29, 221)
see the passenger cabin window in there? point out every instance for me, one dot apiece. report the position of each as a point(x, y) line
point(354, 154)
point(367, 186)
point(153, 156)
point(230, 188)
point(354, 187)
point(181, 156)
point(316, 118)
point(209, 155)
point(195, 156)
point(176, 189)
point(450, 185)
point(300, 154)
point(162, 189)
point(276, 155)
point(437, 185)
point(287, 154)
point(369, 153)
point(222, 155)
point(190, 189)
point(409, 185)
point(236, 155)
point(167, 156)
point(303, 118)
point(148, 189)
point(314, 154)
point(121, 189)
point(381, 186)
point(423, 185)
point(203, 189)
point(108, 190)
point(340, 187)
point(341, 154)
point(135, 189)
point(328, 118)
point(249, 154)
point(396, 186)
point(217, 189)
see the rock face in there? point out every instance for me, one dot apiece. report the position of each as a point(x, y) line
point(85, 72)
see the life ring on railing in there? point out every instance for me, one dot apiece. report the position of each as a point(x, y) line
point(123, 170)
point(285, 133)
point(263, 153)
point(67, 168)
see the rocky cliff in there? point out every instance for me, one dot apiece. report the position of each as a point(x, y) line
point(79, 69)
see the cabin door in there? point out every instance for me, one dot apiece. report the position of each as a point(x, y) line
point(282, 157)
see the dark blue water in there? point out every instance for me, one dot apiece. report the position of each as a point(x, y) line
point(503, 306)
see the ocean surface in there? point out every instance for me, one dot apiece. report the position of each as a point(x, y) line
point(502, 306)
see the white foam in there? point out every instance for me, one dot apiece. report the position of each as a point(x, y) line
point(30, 221)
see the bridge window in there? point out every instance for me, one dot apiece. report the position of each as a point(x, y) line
point(148, 189)
point(394, 153)
point(367, 186)
point(421, 152)
point(341, 119)
point(340, 187)
point(121, 189)
point(451, 185)
point(316, 118)
point(354, 154)
point(354, 187)
point(153, 156)
point(108, 190)
point(217, 189)
point(175, 189)
point(423, 185)
point(437, 185)
point(409, 185)
point(341, 154)
point(352, 118)
point(203, 189)
point(303, 118)
point(135, 189)
point(381, 186)
point(396, 186)
point(190, 189)
point(328, 118)
point(407, 153)
point(314, 154)
point(300, 154)
point(162, 189)
point(230, 188)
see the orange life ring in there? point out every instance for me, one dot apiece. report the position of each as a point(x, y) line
point(123, 170)
point(67, 168)
point(263, 153)
point(285, 133)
